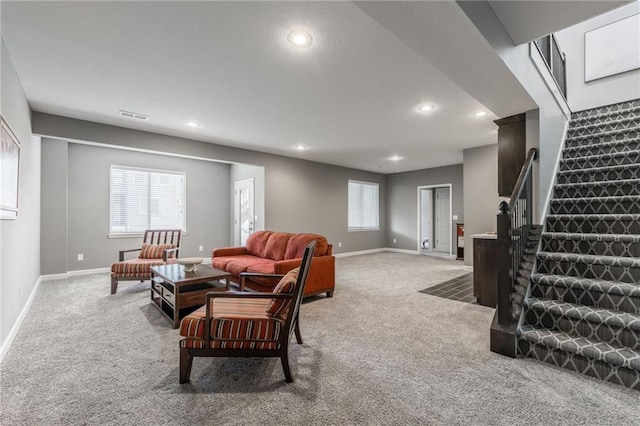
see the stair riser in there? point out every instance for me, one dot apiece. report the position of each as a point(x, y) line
point(596, 248)
point(586, 297)
point(590, 330)
point(607, 126)
point(607, 109)
point(604, 149)
point(594, 368)
point(614, 189)
point(622, 136)
point(629, 158)
point(585, 225)
point(591, 120)
point(596, 206)
point(586, 176)
point(624, 274)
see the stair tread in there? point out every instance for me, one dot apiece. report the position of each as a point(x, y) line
point(590, 284)
point(608, 132)
point(598, 183)
point(614, 354)
point(594, 145)
point(608, 197)
point(595, 216)
point(607, 155)
point(631, 262)
point(595, 169)
point(612, 317)
point(576, 114)
point(626, 238)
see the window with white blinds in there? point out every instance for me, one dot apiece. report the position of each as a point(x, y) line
point(146, 199)
point(363, 206)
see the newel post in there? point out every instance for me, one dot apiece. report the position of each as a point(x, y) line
point(504, 263)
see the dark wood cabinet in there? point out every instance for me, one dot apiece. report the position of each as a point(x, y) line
point(485, 272)
point(512, 151)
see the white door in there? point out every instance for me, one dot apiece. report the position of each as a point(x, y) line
point(443, 232)
point(243, 211)
point(426, 212)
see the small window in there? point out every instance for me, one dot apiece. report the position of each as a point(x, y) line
point(146, 199)
point(363, 206)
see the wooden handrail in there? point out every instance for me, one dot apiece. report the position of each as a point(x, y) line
point(532, 155)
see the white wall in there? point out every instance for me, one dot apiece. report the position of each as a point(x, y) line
point(604, 91)
point(19, 238)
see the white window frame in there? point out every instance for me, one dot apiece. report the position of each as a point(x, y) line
point(361, 227)
point(120, 234)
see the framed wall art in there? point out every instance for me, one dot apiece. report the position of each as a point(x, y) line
point(9, 172)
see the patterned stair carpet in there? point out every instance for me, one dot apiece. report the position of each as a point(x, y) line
point(583, 312)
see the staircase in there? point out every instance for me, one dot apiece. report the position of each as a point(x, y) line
point(583, 308)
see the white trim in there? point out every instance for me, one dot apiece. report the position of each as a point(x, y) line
point(548, 78)
point(443, 185)
point(547, 200)
point(53, 277)
point(403, 251)
point(360, 252)
point(88, 271)
point(16, 326)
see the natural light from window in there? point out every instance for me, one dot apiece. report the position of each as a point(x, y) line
point(363, 206)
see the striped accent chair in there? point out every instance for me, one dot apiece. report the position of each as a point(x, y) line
point(159, 246)
point(247, 324)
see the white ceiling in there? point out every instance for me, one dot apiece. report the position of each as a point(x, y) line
point(351, 97)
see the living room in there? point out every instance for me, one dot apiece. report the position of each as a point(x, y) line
point(64, 213)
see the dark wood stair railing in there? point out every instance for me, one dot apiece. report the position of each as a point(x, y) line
point(515, 223)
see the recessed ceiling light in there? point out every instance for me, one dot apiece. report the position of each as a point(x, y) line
point(301, 147)
point(395, 158)
point(426, 108)
point(480, 113)
point(299, 38)
point(192, 124)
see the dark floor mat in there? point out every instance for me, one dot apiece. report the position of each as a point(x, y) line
point(459, 289)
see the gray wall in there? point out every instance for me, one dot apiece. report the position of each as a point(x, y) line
point(481, 198)
point(300, 195)
point(242, 172)
point(605, 91)
point(402, 202)
point(19, 238)
point(553, 117)
point(207, 197)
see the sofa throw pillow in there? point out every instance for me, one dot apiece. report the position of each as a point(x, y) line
point(154, 251)
point(279, 307)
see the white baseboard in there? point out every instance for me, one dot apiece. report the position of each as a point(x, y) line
point(52, 277)
point(88, 271)
point(405, 251)
point(360, 252)
point(16, 326)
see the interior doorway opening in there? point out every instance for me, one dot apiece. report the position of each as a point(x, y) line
point(434, 219)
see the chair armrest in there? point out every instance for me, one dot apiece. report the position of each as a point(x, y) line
point(122, 252)
point(244, 275)
point(165, 253)
point(228, 251)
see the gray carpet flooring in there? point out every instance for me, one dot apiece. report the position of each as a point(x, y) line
point(377, 353)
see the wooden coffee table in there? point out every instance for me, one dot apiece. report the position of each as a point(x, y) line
point(177, 293)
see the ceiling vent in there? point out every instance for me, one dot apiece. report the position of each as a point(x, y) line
point(133, 115)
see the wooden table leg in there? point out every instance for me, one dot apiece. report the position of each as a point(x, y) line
point(176, 306)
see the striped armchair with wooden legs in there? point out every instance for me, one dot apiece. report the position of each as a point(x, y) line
point(239, 324)
point(159, 246)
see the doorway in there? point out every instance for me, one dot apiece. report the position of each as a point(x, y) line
point(434, 219)
point(243, 210)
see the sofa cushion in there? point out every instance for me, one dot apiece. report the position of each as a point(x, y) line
point(278, 308)
point(235, 324)
point(134, 268)
point(298, 242)
point(240, 265)
point(277, 245)
point(154, 251)
point(222, 261)
point(257, 243)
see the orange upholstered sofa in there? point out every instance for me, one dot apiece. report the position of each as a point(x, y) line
point(269, 252)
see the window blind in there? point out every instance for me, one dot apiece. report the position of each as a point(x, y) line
point(146, 199)
point(363, 206)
